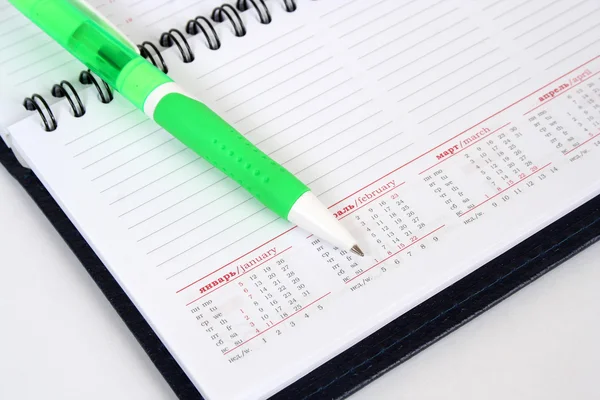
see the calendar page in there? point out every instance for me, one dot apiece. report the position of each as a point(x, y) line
point(440, 132)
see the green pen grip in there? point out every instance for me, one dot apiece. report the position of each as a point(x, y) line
point(203, 131)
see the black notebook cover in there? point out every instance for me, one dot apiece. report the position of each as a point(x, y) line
point(391, 345)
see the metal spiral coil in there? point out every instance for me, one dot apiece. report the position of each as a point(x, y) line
point(33, 104)
point(104, 92)
point(65, 89)
point(174, 36)
point(260, 7)
point(150, 52)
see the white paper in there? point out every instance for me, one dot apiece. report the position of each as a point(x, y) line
point(441, 132)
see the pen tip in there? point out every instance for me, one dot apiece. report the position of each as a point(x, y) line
point(356, 250)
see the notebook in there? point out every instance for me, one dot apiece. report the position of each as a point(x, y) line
point(442, 133)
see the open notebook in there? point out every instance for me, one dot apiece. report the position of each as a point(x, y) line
point(441, 132)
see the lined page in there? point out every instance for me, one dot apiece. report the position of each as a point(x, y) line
point(432, 129)
point(31, 62)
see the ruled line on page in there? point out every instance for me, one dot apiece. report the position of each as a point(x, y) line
point(87, 134)
point(223, 230)
point(21, 40)
point(144, 120)
point(278, 84)
point(445, 76)
point(345, 114)
point(12, 16)
point(396, 152)
point(572, 38)
point(378, 18)
point(458, 85)
point(319, 111)
point(478, 90)
point(455, 40)
point(174, 12)
point(533, 13)
point(355, 124)
point(378, 145)
point(135, 3)
point(145, 169)
point(573, 54)
point(179, 201)
point(35, 62)
point(169, 190)
point(203, 223)
point(123, 197)
point(494, 4)
point(15, 29)
point(255, 231)
point(421, 57)
point(376, 49)
point(398, 38)
point(183, 217)
point(437, 64)
point(364, 136)
point(358, 13)
point(270, 72)
point(554, 17)
point(339, 9)
point(30, 78)
point(307, 101)
point(511, 10)
point(478, 106)
point(132, 159)
point(394, 25)
point(152, 9)
point(568, 25)
point(278, 100)
point(268, 59)
point(253, 51)
point(112, 153)
point(13, 57)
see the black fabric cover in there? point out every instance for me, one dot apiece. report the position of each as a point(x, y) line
point(389, 346)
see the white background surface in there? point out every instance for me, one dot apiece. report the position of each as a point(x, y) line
point(60, 338)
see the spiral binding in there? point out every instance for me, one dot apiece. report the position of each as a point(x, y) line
point(168, 38)
point(159, 61)
point(33, 104)
point(62, 90)
point(221, 14)
point(104, 91)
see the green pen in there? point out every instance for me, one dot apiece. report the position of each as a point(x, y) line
point(107, 52)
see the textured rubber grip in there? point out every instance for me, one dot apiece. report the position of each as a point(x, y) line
point(203, 131)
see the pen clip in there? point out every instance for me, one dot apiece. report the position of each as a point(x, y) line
point(105, 23)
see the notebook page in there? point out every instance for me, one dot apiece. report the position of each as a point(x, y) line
point(441, 133)
point(31, 62)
